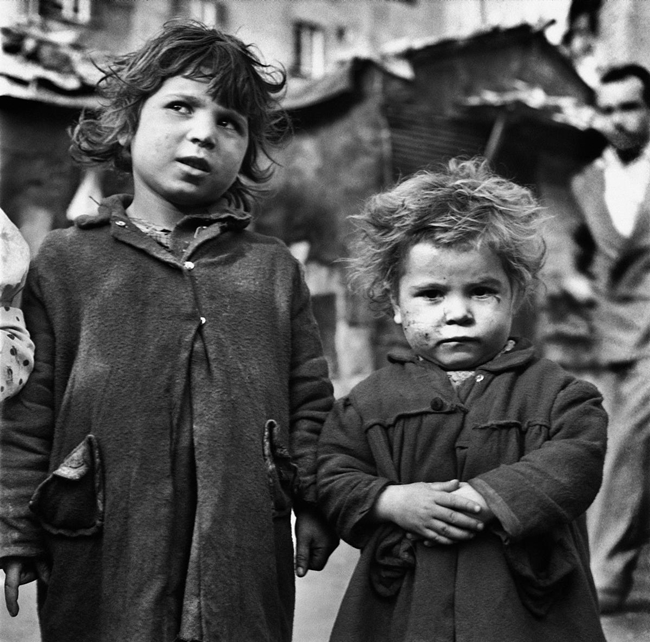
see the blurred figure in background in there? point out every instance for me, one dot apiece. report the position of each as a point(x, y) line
point(614, 205)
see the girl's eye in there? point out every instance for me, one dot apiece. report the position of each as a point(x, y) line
point(233, 124)
point(483, 292)
point(432, 294)
point(180, 107)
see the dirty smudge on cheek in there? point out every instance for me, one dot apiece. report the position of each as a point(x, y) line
point(417, 333)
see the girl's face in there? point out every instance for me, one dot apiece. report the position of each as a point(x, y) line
point(455, 307)
point(187, 149)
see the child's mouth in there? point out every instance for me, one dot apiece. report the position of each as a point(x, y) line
point(196, 163)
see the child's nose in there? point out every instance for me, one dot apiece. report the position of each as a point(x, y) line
point(202, 131)
point(457, 310)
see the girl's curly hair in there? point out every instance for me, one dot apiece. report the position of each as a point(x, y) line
point(463, 206)
point(236, 78)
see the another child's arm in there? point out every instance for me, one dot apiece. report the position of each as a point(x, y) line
point(558, 481)
point(16, 347)
point(25, 442)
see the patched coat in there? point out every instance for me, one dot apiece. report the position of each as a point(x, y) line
point(129, 337)
point(527, 436)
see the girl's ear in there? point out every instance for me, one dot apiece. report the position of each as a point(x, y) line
point(397, 312)
point(124, 139)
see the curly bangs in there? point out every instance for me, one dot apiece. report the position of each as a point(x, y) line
point(463, 206)
point(236, 78)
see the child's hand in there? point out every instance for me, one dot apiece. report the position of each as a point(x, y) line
point(465, 490)
point(431, 511)
point(315, 541)
point(19, 571)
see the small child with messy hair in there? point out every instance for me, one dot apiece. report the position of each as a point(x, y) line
point(462, 469)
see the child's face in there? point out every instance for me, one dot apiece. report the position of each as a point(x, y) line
point(455, 307)
point(187, 149)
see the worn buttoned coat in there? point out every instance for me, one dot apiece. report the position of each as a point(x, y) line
point(133, 345)
point(530, 439)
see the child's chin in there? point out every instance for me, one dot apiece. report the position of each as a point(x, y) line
point(456, 362)
point(450, 364)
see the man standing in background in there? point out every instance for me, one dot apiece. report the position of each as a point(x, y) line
point(613, 197)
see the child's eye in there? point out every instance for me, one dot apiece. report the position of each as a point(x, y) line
point(483, 292)
point(234, 124)
point(228, 123)
point(180, 107)
point(432, 294)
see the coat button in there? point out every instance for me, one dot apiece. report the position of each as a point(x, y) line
point(188, 265)
point(203, 320)
point(437, 404)
point(120, 223)
point(480, 378)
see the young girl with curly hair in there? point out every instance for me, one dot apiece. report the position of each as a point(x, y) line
point(463, 469)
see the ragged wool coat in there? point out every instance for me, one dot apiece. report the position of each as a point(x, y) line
point(526, 435)
point(118, 323)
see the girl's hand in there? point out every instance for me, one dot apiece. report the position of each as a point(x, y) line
point(466, 491)
point(431, 511)
point(19, 571)
point(315, 541)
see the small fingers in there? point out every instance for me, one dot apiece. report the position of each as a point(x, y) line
point(442, 533)
point(460, 503)
point(12, 581)
point(459, 520)
point(446, 487)
point(436, 537)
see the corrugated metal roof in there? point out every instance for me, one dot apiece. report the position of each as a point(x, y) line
point(45, 67)
point(34, 92)
point(420, 138)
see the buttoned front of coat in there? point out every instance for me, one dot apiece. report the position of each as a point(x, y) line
point(527, 436)
point(117, 321)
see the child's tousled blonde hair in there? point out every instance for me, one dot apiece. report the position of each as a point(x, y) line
point(463, 206)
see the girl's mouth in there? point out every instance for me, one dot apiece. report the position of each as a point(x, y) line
point(195, 162)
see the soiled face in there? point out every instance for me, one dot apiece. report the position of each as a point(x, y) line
point(455, 307)
point(187, 149)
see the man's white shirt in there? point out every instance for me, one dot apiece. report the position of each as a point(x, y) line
point(626, 186)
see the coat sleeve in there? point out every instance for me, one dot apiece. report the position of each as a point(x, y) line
point(311, 394)
point(16, 347)
point(557, 482)
point(16, 351)
point(26, 436)
point(348, 481)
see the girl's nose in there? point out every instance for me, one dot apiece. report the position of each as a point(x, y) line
point(202, 131)
point(457, 310)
